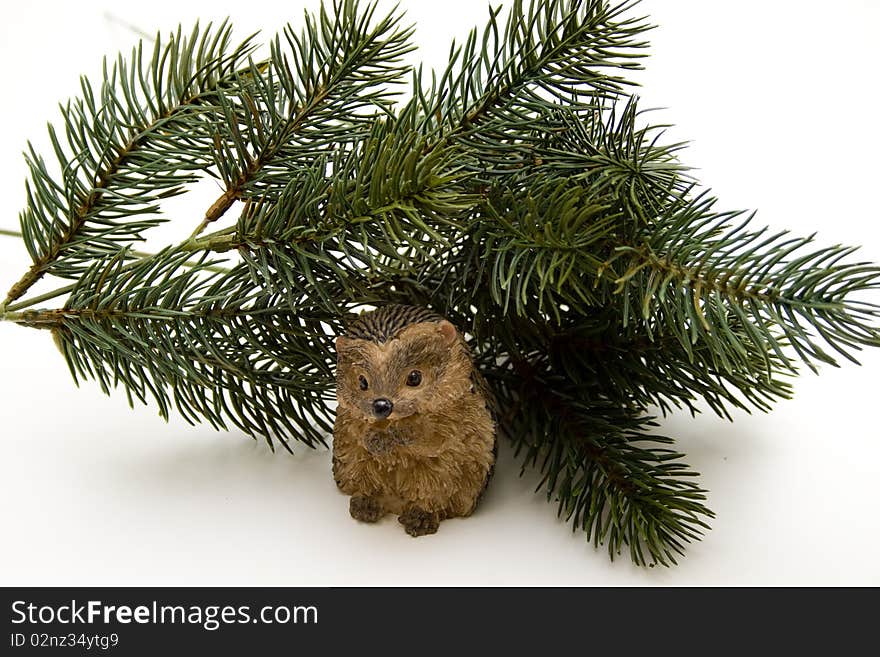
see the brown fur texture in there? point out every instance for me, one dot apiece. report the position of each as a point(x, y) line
point(429, 458)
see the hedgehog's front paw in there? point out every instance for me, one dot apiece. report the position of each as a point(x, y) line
point(419, 522)
point(365, 509)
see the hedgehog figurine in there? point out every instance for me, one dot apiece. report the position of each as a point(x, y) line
point(414, 432)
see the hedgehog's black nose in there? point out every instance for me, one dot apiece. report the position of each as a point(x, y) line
point(382, 407)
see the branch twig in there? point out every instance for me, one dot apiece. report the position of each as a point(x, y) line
point(6, 310)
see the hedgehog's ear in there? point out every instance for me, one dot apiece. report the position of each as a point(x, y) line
point(447, 330)
point(343, 344)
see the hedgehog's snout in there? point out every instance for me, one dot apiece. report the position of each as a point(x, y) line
point(382, 407)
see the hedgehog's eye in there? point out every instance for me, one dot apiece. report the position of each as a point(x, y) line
point(362, 382)
point(414, 378)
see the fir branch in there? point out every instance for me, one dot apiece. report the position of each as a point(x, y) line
point(67, 289)
point(608, 476)
point(507, 80)
point(612, 145)
point(320, 94)
point(130, 144)
point(212, 345)
point(630, 366)
point(538, 243)
point(384, 208)
point(698, 277)
point(594, 182)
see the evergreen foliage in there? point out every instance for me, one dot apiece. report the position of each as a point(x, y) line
point(520, 192)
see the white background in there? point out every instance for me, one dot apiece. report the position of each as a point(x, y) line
point(780, 101)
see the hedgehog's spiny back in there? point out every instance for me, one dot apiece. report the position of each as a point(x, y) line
point(384, 323)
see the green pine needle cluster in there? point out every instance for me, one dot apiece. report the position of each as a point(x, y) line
point(520, 192)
